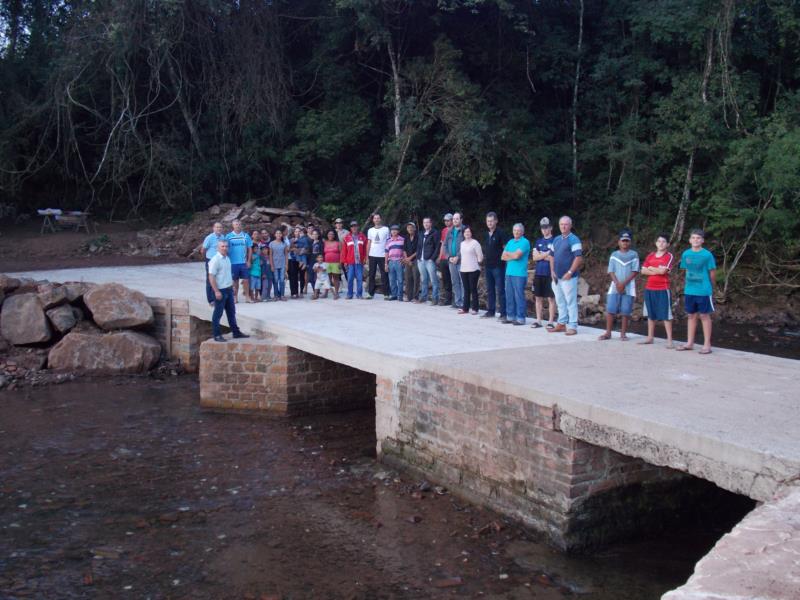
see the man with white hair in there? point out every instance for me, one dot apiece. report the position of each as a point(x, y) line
point(515, 256)
point(209, 249)
point(240, 251)
point(451, 251)
point(565, 261)
point(219, 277)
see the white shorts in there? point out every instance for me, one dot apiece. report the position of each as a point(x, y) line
point(322, 285)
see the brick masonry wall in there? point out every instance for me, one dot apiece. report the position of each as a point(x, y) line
point(508, 453)
point(179, 333)
point(263, 376)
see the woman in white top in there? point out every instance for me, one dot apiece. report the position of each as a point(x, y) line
point(470, 256)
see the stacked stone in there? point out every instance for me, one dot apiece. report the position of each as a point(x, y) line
point(82, 327)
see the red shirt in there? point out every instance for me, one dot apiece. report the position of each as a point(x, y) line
point(333, 252)
point(658, 282)
point(445, 231)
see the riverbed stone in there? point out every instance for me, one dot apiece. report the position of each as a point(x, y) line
point(117, 352)
point(114, 306)
point(51, 295)
point(23, 320)
point(8, 284)
point(76, 289)
point(63, 318)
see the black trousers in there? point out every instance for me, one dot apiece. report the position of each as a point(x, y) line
point(447, 284)
point(376, 264)
point(297, 278)
point(470, 282)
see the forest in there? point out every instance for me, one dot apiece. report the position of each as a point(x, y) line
point(661, 115)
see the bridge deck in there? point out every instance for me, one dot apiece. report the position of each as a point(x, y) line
point(731, 417)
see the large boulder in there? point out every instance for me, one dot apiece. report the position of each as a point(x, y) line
point(8, 284)
point(113, 306)
point(63, 317)
point(51, 294)
point(23, 320)
point(75, 290)
point(117, 352)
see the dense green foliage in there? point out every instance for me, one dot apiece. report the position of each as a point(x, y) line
point(681, 110)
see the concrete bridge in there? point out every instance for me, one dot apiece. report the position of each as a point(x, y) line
point(569, 435)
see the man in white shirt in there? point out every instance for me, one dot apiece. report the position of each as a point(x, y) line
point(220, 278)
point(209, 249)
point(376, 251)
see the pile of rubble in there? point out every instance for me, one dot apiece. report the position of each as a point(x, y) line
point(74, 327)
point(182, 240)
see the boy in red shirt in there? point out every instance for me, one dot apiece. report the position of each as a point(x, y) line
point(657, 296)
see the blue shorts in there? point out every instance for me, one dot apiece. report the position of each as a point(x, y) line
point(698, 304)
point(255, 283)
point(240, 271)
point(658, 305)
point(619, 304)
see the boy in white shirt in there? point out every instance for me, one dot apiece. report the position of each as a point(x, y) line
point(323, 281)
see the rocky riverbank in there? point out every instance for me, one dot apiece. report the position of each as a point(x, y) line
point(51, 332)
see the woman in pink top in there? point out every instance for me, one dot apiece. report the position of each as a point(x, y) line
point(332, 251)
point(470, 259)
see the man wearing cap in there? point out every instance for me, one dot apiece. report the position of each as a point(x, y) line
point(354, 253)
point(623, 267)
point(565, 261)
point(444, 265)
point(542, 283)
point(451, 250)
point(410, 268)
point(395, 253)
point(495, 268)
point(376, 250)
point(428, 253)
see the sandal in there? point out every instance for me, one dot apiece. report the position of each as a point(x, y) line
point(604, 337)
point(536, 325)
point(684, 348)
point(705, 351)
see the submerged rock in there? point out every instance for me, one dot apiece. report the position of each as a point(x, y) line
point(118, 352)
point(114, 306)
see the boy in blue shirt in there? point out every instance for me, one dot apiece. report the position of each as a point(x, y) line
point(701, 278)
point(623, 267)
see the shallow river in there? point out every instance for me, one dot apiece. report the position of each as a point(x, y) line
point(125, 489)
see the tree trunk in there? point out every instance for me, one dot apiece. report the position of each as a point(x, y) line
point(575, 108)
point(187, 116)
point(394, 59)
point(686, 198)
point(761, 210)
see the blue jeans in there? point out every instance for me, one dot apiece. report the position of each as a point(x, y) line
point(515, 298)
point(278, 282)
point(567, 300)
point(355, 274)
point(496, 290)
point(225, 304)
point(427, 270)
point(266, 284)
point(396, 279)
point(458, 288)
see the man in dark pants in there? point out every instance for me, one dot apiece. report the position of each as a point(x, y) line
point(495, 270)
point(444, 265)
point(376, 251)
point(209, 249)
point(221, 280)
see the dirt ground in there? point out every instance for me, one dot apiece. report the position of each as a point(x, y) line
point(125, 488)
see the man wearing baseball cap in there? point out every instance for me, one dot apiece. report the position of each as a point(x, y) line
point(444, 265)
point(354, 255)
point(542, 282)
point(623, 267)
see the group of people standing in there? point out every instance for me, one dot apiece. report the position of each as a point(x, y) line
point(403, 266)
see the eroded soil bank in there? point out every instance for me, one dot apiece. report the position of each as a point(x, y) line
point(124, 488)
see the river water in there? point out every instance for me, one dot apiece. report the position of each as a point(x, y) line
point(125, 489)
